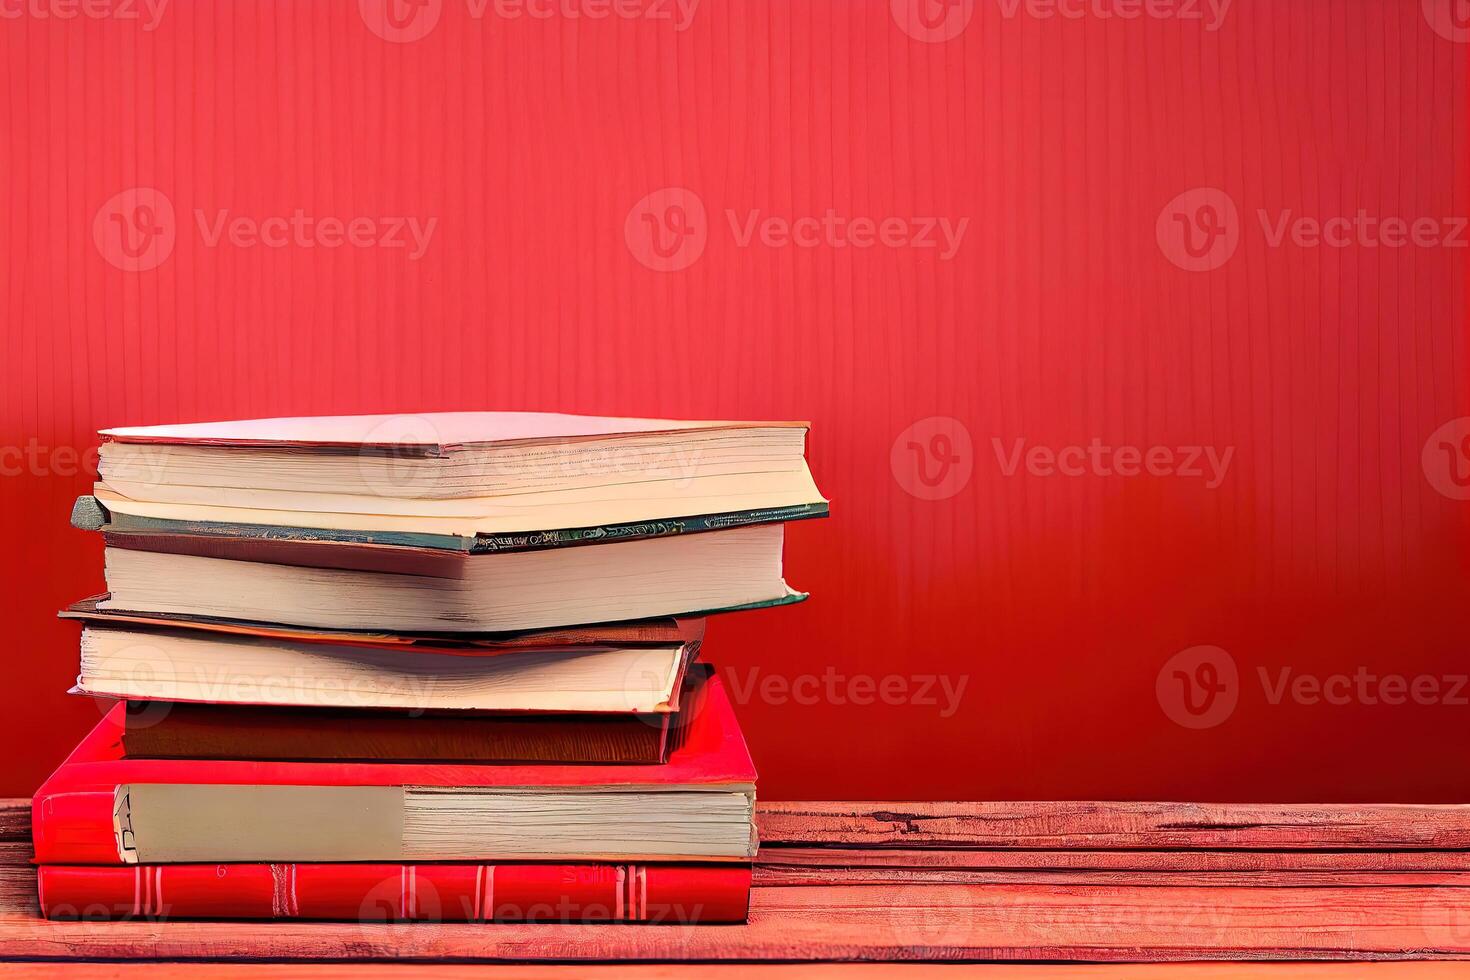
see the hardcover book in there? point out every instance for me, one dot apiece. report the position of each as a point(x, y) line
point(182, 730)
point(195, 665)
point(102, 808)
point(461, 481)
point(649, 578)
point(683, 894)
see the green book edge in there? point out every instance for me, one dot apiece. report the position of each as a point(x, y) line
point(90, 514)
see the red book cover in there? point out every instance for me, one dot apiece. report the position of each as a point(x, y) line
point(680, 894)
point(72, 812)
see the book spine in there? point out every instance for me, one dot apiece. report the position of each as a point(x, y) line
point(648, 893)
point(609, 533)
point(130, 531)
point(74, 827)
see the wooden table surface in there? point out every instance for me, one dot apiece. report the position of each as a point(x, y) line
point(1110, 882)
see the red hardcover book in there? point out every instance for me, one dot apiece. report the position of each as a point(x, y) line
point(680, 894)
point(81, 814)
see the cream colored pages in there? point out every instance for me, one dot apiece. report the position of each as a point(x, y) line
point(208, 823)
point(427, 429)
point(244, 670)
point(521, 590)
point(624, 504)
point(169, 823)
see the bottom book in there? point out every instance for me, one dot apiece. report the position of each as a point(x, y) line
point(673, 894)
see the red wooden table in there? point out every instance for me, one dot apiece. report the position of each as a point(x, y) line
point(1116, 882)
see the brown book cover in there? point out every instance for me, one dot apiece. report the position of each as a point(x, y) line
point(184, 730)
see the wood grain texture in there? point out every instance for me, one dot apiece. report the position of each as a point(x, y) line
point(1109, 825)
point(902, 922)
point(764, 971)
point(818, 898)
point(794, 859)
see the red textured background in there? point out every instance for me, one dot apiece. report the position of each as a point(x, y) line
point(1058, 320)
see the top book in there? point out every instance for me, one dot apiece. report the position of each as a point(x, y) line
point(478, 481)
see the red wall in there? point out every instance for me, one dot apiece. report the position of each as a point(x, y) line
point(1072, 309)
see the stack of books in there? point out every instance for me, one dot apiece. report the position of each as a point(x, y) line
point(439, 667)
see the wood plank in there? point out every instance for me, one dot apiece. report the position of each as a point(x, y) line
point(765, 971)
point(1074, 825)
point(831, 887)
point(907, 922)
point(15, 821)
point(782, 858)
point(1111, 826)
point(777, 877)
